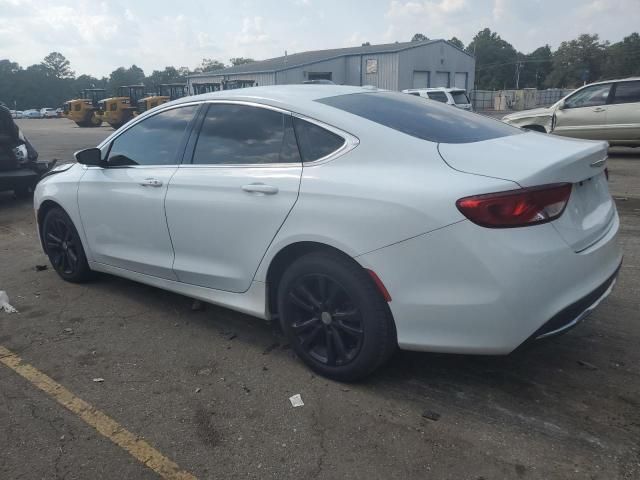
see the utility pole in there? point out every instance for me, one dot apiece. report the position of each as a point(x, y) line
point(519, 66)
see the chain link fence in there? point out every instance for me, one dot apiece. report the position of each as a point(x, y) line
point(489, 99)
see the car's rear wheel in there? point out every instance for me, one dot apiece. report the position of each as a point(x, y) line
point(336, 320)
point(63, 247)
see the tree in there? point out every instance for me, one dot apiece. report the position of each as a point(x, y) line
point(578, 61)
point(133, 75)
point(419, 37)
point(535, 67)
point(168, 75)
point(623, 58)
point(57, 65)
point(457, 42)
point(240, 61)
point(496, 60)
point(209, 65)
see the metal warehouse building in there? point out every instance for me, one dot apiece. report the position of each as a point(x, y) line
point(394, 66)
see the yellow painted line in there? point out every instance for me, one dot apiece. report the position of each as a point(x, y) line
point(105, 425)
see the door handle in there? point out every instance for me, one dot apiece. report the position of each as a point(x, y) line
point(599, 109)
point(151, 182)
point(260, 188)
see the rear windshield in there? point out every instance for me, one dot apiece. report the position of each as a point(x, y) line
point(430, 121)
point(460, 98)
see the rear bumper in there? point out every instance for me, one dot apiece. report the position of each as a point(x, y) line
point(17, 179)
point(468, 289)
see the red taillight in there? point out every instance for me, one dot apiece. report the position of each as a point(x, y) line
point(516, 208)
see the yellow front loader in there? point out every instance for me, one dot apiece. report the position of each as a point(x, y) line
point(165, 92)
point(85, 111)
point(123, 107)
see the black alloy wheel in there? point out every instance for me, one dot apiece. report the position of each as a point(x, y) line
point(328, 326)
point(334, 316)
point(63, 246)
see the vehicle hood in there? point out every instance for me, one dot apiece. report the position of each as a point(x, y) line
point(528, 158)
point(534, 112)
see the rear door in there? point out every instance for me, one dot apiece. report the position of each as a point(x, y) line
point(623, 115)
point(584, 114)
point(224, 208)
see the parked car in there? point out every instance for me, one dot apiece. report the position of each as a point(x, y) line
point(16, 114)
point(31, 114)
point(600, 111)
point(20, 169)
point(411, 223)
point(451, 96)
point(48, 113)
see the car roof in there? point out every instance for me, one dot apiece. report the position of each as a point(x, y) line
point(630, 79)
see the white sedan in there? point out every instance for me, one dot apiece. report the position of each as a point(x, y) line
point(362, 220)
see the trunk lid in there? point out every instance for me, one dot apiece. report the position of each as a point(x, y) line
point(533, 159)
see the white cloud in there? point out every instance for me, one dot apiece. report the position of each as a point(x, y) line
point(252, 32)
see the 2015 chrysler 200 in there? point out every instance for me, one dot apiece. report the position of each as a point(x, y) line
point(362, 219)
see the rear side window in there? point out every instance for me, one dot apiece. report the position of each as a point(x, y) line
point(460, 98)
point(425, 120)
point(627, 92)
point(438, 96)
point(242, 134)
point(314, 141)
point(156, 140)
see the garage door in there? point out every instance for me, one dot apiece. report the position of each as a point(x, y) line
point(460, 80)
point(441, 80)
point(420, 79)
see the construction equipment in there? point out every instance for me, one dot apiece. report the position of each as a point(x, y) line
point(85, 111)
point(120, 109)
point(166, 92)
point(199, 88)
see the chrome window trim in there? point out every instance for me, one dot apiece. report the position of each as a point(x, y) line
point(350, 141)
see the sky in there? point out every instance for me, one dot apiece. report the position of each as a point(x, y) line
point(99, 36)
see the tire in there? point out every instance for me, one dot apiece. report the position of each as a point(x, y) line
point(64, 247)
point(334, 317)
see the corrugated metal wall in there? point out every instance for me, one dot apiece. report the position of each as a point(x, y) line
point(386, 74)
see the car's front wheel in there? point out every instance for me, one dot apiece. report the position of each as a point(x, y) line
point(336, 320)
point(63, 246)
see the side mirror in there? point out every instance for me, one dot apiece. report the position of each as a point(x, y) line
point(561, 105)
point(89, 156)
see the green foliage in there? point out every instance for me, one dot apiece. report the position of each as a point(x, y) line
point(133, 75)
point(209, 65)
point(623, 58)
point(419, 37)
point(578, 61)
point(240, 61)
point(495, 60)
point(56, 65)
point(457, 42)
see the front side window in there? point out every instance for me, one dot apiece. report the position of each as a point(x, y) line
point(243, 135)
point(589, 97)
point(627, 92)
point(156, 140)
point(438, 96)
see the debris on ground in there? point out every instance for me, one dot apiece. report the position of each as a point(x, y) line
point(98, 380)
point(68, 330)
point(198, 390)
point(4, 303)
point(431, 415)
point(40, 268)
point(588, 365)
point(232, 336)
point(296, 400)
point(205, 371)
point(270, 348)
point(197, 306)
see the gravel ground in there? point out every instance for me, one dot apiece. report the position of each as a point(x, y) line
point(209, 389)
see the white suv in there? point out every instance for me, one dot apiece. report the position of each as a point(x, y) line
point(451, 96)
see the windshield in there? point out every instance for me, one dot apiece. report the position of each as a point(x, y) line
point(431, 121)
point(460, 98)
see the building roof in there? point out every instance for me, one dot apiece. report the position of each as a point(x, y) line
point(305, 58)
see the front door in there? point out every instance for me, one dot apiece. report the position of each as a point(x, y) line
point(584, 114)
point(122, 205)
point(225, 208)
point(623, 116)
